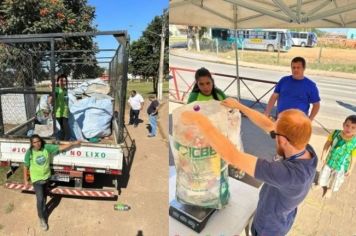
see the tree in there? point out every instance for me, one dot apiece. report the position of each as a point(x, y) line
point(51, 16)
point(145, 52)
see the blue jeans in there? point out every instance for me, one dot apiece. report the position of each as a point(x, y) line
point(134, 117)
point(153, 123)
point(41, 197)
point(64, 133)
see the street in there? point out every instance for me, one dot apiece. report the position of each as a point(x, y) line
point(337, 94)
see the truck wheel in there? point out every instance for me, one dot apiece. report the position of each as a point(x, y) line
point(302, 45)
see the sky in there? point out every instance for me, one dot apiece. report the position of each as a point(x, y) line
point(131, 15)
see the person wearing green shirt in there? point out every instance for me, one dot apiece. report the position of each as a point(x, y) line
point(61, 108)
point(37, 163)
point(204, 88)
point(340, 160)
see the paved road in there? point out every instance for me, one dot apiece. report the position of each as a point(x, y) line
point(338, 96)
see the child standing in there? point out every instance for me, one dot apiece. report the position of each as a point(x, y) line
point(340, 160)
point(152, 112)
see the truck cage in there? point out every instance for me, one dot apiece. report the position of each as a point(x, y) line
point(27, 60)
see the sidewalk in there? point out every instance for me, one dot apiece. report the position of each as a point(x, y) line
point(210, 57)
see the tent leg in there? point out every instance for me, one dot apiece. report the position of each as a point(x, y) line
point(237, 54)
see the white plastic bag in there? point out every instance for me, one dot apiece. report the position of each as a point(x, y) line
point(92, 116)
point(202, 176)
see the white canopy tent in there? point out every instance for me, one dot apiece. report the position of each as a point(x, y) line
point(244, 14)
point(264, 13)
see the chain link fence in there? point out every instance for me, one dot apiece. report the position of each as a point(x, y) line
point(118, 84)
point(19, 68)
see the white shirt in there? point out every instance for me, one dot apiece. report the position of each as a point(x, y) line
point(135, 102)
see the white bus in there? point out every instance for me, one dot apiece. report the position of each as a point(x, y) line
point(304, 39)
point(259, 39)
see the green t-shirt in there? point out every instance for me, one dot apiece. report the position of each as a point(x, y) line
point(341, 151)
point(194, 96)
point(39, 162)
point(61, 109)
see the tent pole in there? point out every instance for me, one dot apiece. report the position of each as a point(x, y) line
point(236, 54)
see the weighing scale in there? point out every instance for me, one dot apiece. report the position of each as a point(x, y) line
point(194, 217)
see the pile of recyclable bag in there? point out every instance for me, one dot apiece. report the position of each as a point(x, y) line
point(91, 112)
point(90, 117)
point(202, 176)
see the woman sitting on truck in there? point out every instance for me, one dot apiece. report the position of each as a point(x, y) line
point(37, 163)
point(61, 106)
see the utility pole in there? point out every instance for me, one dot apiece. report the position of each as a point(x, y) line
point(161, 59)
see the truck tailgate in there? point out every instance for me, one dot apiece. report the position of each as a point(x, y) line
point(100, 156)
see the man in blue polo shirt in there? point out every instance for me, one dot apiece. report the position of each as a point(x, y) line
point(295, 91)
point(286, 182)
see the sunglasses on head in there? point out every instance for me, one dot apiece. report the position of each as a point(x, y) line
point(273, 135)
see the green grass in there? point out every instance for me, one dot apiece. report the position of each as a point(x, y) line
point(144, 88)
point(348, 68)
point(326, 66)
point(17, 177)
point(9, 208)
point(177, 39)
point(270, 58)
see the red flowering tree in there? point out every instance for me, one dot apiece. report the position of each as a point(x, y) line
point(53, 16)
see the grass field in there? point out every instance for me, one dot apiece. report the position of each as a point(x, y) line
point(144, 88)
point(17, 177)
point(331, 59)
point(177, 39)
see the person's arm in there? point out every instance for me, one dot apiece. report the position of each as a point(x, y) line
point(156, 108)
point(68, 145)
point(325, 150)
point(327, 145)
point(142, 102)
point(64, 145)
point(314, 111)
point(256, 117)
point(25, 175)
point(220, 143)
point(352, 163)
point(272, 100)
point(26, 167)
